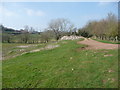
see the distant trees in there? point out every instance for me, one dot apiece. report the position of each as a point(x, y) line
point(84, 33)
point(105, 29)
point(6, 38)
point(29, 35)
point(47, 35)
point(26, 35)
point(118, 30)
point(60, 26)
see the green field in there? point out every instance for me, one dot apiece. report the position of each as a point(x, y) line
point(67, 66)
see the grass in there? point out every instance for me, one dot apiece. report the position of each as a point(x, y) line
point(66, 66)
point(105, 41)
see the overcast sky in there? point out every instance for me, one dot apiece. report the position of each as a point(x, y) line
point(38, 14)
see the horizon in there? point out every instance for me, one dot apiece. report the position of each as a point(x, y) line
point(38, 14)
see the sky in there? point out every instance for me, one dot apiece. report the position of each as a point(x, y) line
point(38, 14)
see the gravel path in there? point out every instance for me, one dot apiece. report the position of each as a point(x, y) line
point(92, 44)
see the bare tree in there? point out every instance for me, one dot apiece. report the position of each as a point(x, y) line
point(6, 38)
point(47, 35)
point(59, 26)
point(25, 36)
point(26, 28)
point(31, 30)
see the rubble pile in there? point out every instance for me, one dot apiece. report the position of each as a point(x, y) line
point(70, 37)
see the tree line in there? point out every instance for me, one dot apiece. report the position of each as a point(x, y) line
point(26, 35)
point(104, 29)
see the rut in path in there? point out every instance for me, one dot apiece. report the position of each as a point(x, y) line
point(92, 44)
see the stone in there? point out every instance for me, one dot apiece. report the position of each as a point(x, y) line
point(71, 37)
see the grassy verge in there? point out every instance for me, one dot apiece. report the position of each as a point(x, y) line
point(67, 66)
point(104, 41)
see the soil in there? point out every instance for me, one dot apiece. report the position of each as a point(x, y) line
point(92, 44)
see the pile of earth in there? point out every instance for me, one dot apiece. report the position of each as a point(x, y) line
point(71, 37)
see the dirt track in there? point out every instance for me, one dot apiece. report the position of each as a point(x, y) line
point(92, 44)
